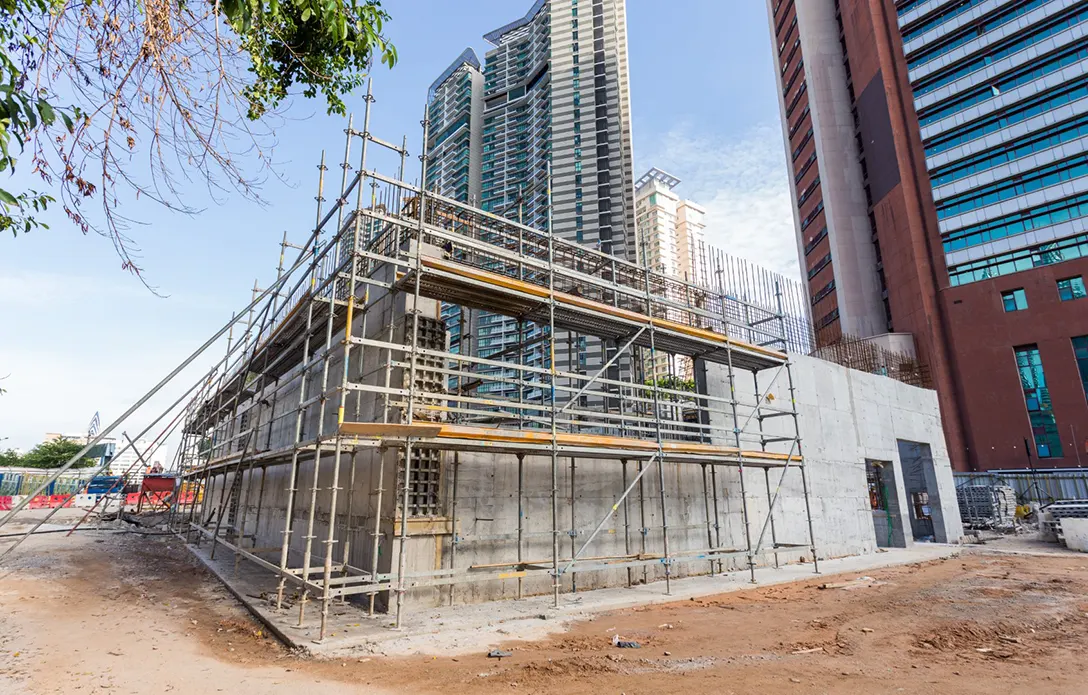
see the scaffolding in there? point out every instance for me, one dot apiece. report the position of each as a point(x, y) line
point(346, 373)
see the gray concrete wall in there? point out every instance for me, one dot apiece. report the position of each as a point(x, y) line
point(845, 417)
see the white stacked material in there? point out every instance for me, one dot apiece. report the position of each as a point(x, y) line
point(1064, 509)
point(1075, 533)
point(987, 506)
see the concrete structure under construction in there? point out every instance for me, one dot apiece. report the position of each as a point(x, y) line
point(335, 458)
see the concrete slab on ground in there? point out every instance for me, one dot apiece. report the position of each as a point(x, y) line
point(1075, 532)
point(472, 628)
point(1028, 543)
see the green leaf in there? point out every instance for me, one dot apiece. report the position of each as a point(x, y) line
point(306, 15)
point(7, 198)
point(46, 111)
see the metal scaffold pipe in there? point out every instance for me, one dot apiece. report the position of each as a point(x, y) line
point(402, 556)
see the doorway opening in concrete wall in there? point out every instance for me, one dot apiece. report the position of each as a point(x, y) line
point(923, 498)
point(884, 503)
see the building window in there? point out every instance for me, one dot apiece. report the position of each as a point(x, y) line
point(820, 265)
point(1014, 300)
point(1044, 428)
point(1080, 351)
point(1071, 288)
point(1019, 260)
point(827, 319)
point(823, 293)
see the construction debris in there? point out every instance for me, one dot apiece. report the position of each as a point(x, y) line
point(987, 506)
point(1052, 515)
point(813, 650)
point(859, 583)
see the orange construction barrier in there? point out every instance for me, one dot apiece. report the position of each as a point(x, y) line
point(39, 502)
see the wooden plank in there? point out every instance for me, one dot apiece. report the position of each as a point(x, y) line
point(538, 291)
point(378, 429)
point(495, 434)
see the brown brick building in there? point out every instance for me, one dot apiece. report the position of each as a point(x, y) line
point(934, 148)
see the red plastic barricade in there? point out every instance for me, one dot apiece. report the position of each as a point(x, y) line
point(60, 501)
point(39, 502)
point(132, 498)
point(5, 503)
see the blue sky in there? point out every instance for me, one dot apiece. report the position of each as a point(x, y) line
point(78, 334)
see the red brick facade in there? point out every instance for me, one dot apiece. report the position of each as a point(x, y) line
point(962, 334)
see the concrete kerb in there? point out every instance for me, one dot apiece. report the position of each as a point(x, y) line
point(266, 617)
point(1056, 552)
point(471, 628)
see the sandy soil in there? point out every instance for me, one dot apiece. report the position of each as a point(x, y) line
point(124, 613)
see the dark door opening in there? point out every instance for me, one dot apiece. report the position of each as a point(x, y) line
point(884, 504)
point(923, 497)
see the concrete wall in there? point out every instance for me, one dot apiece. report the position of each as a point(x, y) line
point(845, 417)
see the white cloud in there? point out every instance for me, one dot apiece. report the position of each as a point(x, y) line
point(741, 181)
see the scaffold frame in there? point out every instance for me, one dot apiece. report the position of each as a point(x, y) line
point(331, 315)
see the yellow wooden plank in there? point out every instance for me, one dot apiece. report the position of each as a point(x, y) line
point(378, 429)
point(597, 440)
point(542, 292)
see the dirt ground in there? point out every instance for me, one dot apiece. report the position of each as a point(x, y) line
point(124, 613)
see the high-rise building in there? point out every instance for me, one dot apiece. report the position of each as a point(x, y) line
point(556, 89)
point(455, 110)
point(690, 224)
point(669, 234)
point(669, 229)
point(555, 101)
point(938, 152)
point(455, 123)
